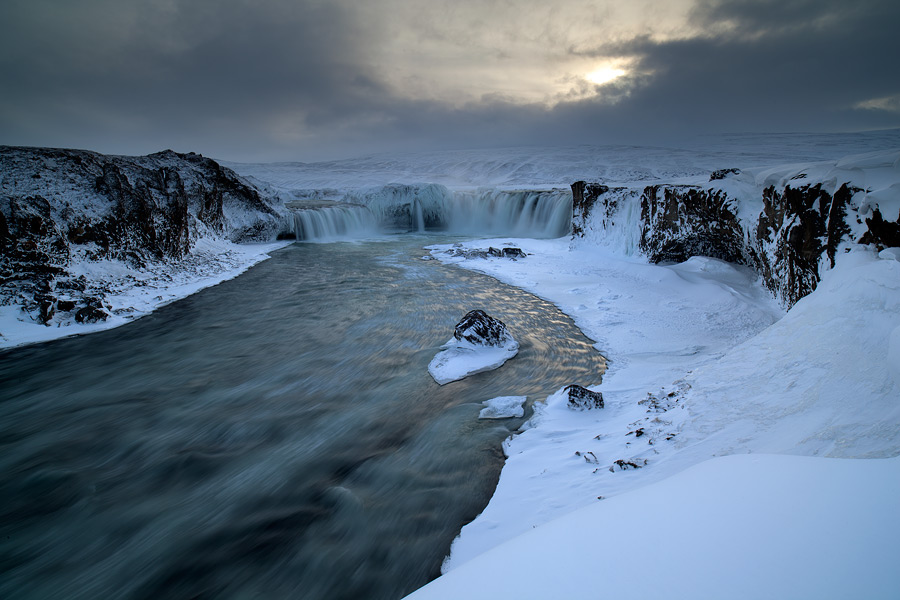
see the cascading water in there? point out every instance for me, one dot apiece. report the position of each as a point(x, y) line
point(528, 213)
point(333, 222)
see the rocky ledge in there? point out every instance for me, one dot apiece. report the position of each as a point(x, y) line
point(59, 208)
point(786, 224)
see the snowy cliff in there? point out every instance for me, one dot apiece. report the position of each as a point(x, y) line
point(64, 210)
point(786, 223)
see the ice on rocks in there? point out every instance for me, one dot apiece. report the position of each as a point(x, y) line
point(479, 343)
point(503, 407)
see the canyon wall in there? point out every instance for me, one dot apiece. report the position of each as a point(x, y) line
point(787, 224)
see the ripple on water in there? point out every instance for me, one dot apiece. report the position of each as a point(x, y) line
point(277, 435)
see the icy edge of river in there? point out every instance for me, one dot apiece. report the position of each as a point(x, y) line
point(134, 293)
point(690, 347)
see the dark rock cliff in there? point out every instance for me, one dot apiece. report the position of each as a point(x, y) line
point(796, 232)
point(59, 206)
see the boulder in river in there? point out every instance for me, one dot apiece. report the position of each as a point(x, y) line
point(481, 329)
point(479, 343)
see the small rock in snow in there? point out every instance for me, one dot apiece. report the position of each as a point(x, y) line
point(581, 398)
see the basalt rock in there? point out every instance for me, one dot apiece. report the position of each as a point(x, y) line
point(60, 206)
point(93, 312)
point(480, 329)
point(581, 398)
point(508, 252)
point(680, 222)
point(723, 173)
point(796, 233)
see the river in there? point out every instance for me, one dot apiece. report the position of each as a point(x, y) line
point(275, 436)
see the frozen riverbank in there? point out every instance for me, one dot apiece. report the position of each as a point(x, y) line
point(702, 362)
point(132, 293)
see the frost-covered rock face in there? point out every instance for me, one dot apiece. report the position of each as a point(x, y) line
point(480, 329)
point(787, 231)
point(62, 206)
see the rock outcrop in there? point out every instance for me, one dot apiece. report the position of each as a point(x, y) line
point(787, 231)
point(58, 207)
point(581, 398)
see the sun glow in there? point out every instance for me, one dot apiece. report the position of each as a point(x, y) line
point(604, 75)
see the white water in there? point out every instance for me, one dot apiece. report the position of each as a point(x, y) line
point(417, 208)
point(336, 222)
point(531, 213)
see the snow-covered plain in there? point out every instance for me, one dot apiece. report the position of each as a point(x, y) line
point(745, 526)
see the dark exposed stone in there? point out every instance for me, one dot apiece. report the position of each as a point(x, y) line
point(133, 209)
point(508, 252)
point(91, 314)
point(65, 305)
point(723, 173)
point(584, 196)
point(684, 221)
point(798, 228)
point(581, 398)
point(513, 253)
point(884, 234)
point(481, 329)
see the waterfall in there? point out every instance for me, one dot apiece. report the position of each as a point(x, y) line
point(420, 217)
point(333, 222)
point(432, 207)
point(529, 213)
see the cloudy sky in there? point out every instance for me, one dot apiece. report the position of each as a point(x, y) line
point(320, 79)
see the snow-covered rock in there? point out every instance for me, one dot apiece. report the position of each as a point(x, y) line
point(786, 223)
point(63, 210)
point(480, 343)
point(581, 398)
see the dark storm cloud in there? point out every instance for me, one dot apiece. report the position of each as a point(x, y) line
point(172, 73)
point(769, 65)
point(288, 80)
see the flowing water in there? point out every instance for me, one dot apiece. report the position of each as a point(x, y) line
point(276, 436)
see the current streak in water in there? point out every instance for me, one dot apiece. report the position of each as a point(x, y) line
point(276, 436)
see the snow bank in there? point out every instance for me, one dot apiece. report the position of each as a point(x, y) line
point(748, 526)
point(134, 293)
point(702, 362)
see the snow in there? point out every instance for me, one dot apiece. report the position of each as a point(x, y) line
point(723, 453)
point(702, 363)
point(460, 358)
point(544, 167)
point(133, 293)
point(743, 526)
point(503, 407)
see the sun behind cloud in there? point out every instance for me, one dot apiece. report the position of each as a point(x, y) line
point(605, 75)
